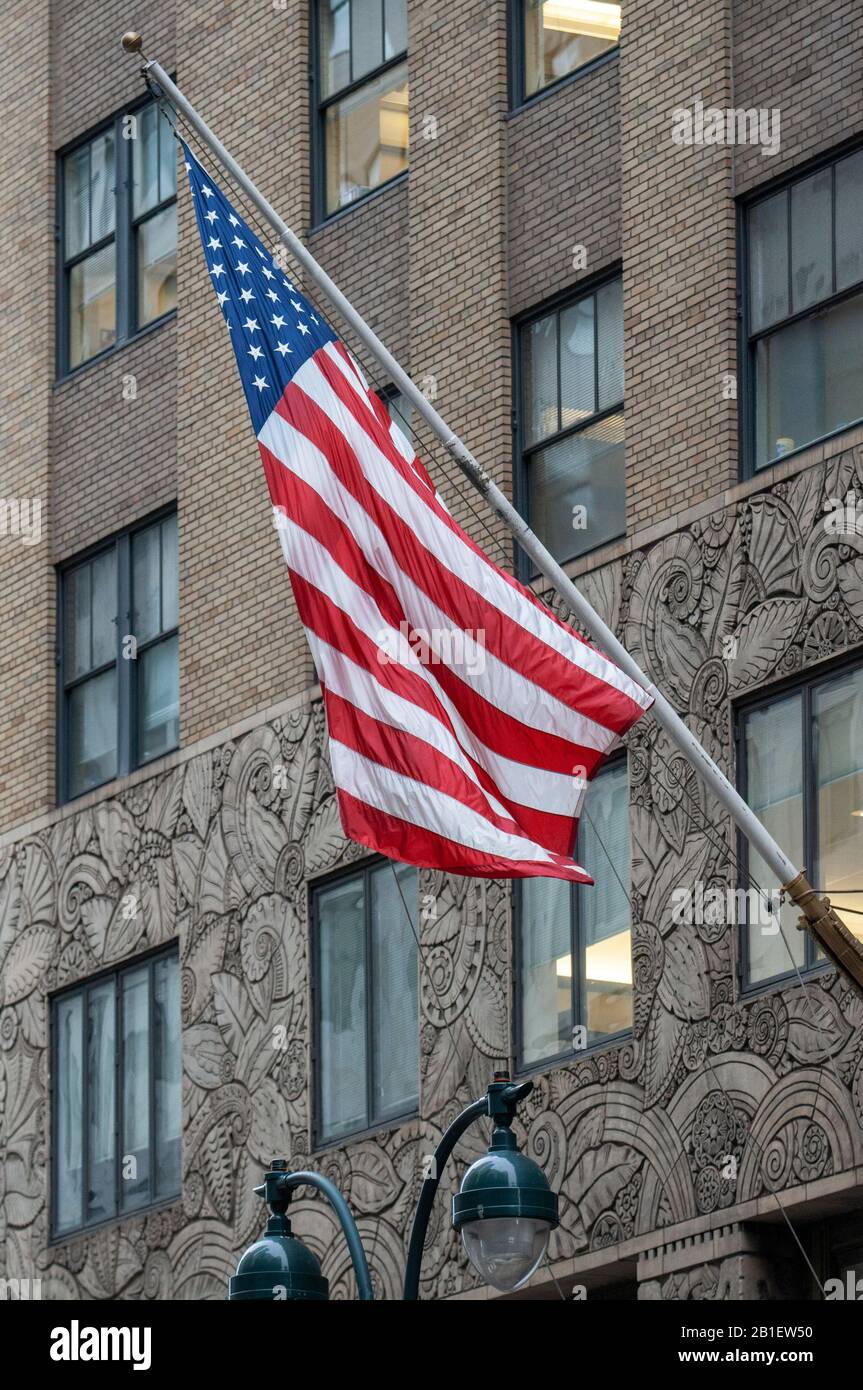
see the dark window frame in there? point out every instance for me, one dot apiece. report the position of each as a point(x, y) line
point(617, 759)
point(316, 886)
point(747, 341)
point(127, 680)
point(319, 105)
point(83, 987)
point(518, 95)
point(124, 238)
point(794, 684)
point(556, 304)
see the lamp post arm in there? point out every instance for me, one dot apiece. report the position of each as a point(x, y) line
point(428, 1193)
point(348, 1224)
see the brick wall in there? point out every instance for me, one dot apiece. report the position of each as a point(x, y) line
point(678, 244)
point(563, 175)
point(26, 370)
point(242, 648)
point(460, 337)
point(807, 63)
point(115, 459)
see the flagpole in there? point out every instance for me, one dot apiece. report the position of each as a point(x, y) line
point(830, 931)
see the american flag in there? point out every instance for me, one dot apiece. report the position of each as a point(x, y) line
point(465, 720)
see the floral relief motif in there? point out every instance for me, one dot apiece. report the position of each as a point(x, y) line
point(713, 1100)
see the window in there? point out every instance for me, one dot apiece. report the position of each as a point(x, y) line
point(805, 310)
point(367, 999)
point(362, 98)
point(119, 235)
point(801, 769)
point(553, 38)
point(119, 703)
point(573, 487)
point(116, 1093)
point(574, 941)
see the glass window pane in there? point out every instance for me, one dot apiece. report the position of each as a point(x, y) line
point(170, 575)
point(605, 926)
point(562, 35)
point(837, 710)
point(92, 732)
point(367, 137)
point(145, 161)
point(157, 265)
point(146, 574)
point(335, 20)
point(101, 1052)
point(809, 379)
point(849, 221)
point(77, 201)
point(92, 305)
point(102, 191)
point(401, 412)
point(811, 240)
point(541, 412)
point(577, 363)
point(135, 1156)
point(773, 748)
point(577, 489)
point(167, 1106)
point(768, 261)
point(76, 619)
point(167, 160)
point(68, 1102)
point(158, 699)
point(545, 976)
point(609, 315)
point(394, 976)
point(104, 607)
point(367, 36)
point(342, 1004)
point(396, 27)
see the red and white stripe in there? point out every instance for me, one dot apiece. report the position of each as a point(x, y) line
point(476, 766)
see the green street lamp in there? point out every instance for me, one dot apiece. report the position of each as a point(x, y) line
point(279, 1267)
point(505, 1212)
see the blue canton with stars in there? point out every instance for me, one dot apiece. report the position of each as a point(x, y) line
point(274, 329)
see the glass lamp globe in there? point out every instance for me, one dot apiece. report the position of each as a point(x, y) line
point(505, 1211)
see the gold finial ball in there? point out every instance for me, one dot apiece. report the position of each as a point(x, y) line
point(132, 42)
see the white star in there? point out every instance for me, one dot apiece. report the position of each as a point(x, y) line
point(278, 321)
point(299, 308)
point(260, 252)
point(252, 325)
point(217, 270)
point(214, 243)
point(222, 297)
point(246, 295)
point(207, 192)
point(260, 382)
point(304, 328)
point(268, 274)
point(188, 167)
point(283, 348)
point(271, 294)
point(255, 352)
point(242, 268)
point(234, 221)
point(288, 286)
point(314, 320)
point(237, 241)
point(211, 217)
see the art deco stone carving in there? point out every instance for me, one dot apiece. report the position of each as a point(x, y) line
point(218, 853)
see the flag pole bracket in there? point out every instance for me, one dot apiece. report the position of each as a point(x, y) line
point(821, 918)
